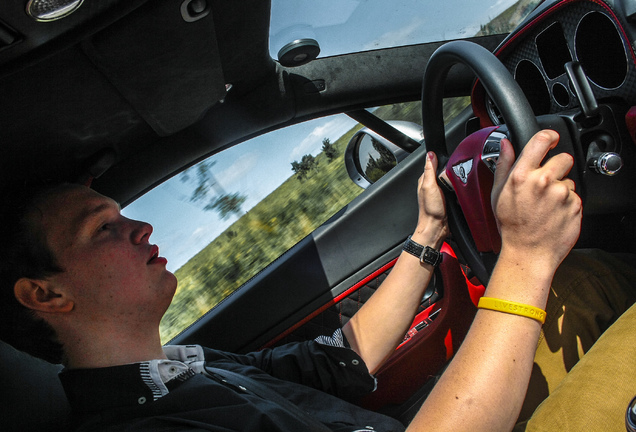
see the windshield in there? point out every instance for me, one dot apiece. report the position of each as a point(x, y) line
point(346, 26)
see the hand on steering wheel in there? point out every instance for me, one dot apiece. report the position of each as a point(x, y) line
point(536, 207)
point(432, 220)
point(476, 234)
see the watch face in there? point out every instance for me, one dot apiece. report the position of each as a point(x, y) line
point(431, 256)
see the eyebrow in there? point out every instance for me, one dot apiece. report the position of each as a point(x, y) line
point(87, 216)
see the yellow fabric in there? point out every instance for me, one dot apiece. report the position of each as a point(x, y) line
point(589, 382)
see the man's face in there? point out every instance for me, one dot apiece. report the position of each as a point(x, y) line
point(111, 271)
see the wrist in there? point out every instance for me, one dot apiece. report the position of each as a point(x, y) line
point(535, 261)
point(432, 235)
point(426, 254)
point(522, 278)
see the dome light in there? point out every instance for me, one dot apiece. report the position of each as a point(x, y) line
point(51, 10)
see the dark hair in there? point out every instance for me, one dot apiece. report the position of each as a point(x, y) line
point(24, 253)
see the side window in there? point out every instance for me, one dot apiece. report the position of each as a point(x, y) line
point(223, 220)
point(412, 111)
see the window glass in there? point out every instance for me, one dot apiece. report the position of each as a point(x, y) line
point(412, 111)
point(223, 220)
point(346, 26)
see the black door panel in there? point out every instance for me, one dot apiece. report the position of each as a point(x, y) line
point(318, 268)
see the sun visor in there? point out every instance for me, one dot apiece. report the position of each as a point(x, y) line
point(164, 63)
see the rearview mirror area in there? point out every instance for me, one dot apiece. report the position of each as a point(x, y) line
point(369, 156)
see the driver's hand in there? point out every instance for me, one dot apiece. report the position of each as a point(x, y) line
point(537, 209)
point(432, 222)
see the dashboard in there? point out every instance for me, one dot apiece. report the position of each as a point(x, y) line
point(584, 38)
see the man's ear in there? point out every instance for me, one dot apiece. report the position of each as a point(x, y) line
point(39, 295)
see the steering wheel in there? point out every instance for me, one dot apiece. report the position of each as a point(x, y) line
point(516, 111)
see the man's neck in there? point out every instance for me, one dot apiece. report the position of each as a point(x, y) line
point(111, 349)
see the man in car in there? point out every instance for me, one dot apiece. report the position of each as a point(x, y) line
point(98, 288)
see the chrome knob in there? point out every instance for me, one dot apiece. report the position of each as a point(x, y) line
point(605, 163)
point(630, 416)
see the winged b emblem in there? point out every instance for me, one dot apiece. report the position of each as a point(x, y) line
point(462, 170)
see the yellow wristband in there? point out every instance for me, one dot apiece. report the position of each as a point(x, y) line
point(512, 308)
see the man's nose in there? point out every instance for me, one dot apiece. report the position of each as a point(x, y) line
point(141, 231)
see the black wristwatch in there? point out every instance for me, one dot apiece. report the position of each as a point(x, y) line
point(426, 254)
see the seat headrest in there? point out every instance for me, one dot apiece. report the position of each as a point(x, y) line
point(32, 395)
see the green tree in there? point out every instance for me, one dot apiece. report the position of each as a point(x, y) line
point(376, 168)
point(227, 204)
point(209, 191)
point(329, 149)
point(298, 170)
point(302, 169)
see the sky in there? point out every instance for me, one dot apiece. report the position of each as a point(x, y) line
point(342, 26)
point(257, 167)
point(254, 168)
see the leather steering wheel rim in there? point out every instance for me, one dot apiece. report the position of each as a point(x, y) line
point(507, 96)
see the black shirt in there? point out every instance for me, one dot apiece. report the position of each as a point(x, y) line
point(317, 379)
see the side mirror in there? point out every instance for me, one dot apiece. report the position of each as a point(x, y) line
point(369, 156)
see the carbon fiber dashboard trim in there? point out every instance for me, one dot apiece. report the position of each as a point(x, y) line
point(566, 17)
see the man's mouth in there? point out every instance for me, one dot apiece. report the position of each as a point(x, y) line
point(154, 257)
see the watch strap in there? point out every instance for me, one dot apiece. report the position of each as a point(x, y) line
point(426, 254)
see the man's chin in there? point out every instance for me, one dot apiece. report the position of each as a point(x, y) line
point(173, 281)
point(168, 284)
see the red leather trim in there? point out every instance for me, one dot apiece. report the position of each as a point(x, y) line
point(475, 288)
point(478, 98)
point(630, 121)
point(448, 343)
point(332, 302)
point(474, 195)
point(364, 281)
point(428, 350)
